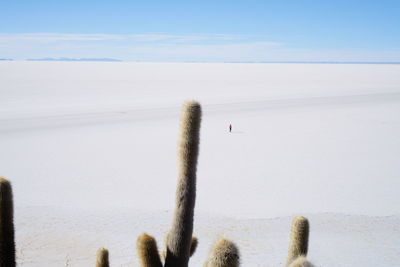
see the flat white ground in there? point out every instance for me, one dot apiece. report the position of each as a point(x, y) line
point(91, 151)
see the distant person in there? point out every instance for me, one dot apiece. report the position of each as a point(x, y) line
point(230, 128)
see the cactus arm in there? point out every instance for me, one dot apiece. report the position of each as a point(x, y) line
point(148, 252)
point(299, 239)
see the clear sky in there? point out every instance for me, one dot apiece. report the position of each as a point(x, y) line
point(219, 30)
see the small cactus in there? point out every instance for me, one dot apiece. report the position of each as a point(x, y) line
point(180, 237)
point(299, 239)
point(7, 244)
point(102, 258)
point(224, 254)
point(148, 252)
point(301, 262)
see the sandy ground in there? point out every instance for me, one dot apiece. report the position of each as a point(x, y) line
point(66, 237)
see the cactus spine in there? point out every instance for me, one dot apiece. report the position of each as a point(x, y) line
point(148, 252)
point(299, 239)
point(7, 244)
point(180, 236)
point(224, 254)
point(102, 258)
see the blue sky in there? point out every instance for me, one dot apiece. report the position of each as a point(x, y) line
point(285, 30)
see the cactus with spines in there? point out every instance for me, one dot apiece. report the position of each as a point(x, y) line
point(102, 258)
point(7, 243)
point(148, 252)
point(180, 244)
point(301, 262)
point(224, 254)
point(299, 239)
point(180, 235)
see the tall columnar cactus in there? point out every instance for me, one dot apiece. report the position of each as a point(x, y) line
point(102, 258)
point(224, 254)
point(180, 244)
point(180, 236)
point(7, 245)
point(148, 252)
point(301, 262)
point(299, 239)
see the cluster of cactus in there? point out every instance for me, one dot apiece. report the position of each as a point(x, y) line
point(180, 244)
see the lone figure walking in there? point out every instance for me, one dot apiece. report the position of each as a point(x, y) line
point(230, 128)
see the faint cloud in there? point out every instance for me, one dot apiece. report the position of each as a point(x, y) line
point(149, 47)
point(165, 47)
point(132, 38)
point(53, 37)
